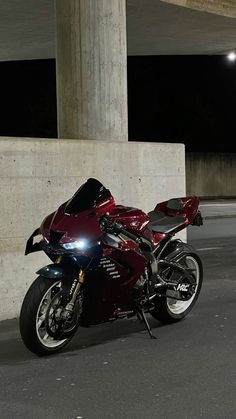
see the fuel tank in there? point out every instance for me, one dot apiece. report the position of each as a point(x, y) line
point(136, 221)
point(130, 218)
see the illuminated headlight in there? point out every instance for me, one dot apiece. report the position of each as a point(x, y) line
point(79, 244)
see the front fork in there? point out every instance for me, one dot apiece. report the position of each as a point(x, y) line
point(71, 293)
point(74, 291)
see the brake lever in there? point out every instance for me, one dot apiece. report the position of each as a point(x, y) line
point(105, 223)
point(110, 226)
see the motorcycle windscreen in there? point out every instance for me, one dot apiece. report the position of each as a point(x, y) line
point(87, 196)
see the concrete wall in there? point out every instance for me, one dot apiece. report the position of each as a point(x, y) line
point(36, 176)
point(211, 174)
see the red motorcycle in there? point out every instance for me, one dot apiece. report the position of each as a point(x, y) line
point(109, 262)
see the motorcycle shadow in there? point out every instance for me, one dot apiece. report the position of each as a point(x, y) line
point(13, 351)
point(110, 332)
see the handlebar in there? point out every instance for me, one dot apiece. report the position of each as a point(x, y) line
point(113, 227)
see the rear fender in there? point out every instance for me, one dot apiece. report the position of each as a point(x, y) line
point(174, 258)
point(198, 220)
point(175, 250)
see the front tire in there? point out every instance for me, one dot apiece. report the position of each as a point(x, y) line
point(37, 307)
point(169, 310)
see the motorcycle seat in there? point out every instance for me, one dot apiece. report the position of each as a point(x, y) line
point(162, 223)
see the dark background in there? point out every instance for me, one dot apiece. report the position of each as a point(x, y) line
point(28, 99)
point(187, 99)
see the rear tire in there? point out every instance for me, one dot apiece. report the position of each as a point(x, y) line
point(169, 310)
point(34, 312)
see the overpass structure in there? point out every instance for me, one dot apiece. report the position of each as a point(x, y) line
point(28, 27)
point(90, 40)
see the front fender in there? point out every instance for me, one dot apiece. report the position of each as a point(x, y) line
point(57, 271)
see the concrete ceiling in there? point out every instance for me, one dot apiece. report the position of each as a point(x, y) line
point(27, 30)
point(220, 7)
point(155, 27)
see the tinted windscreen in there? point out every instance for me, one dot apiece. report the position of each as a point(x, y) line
point(87, 196)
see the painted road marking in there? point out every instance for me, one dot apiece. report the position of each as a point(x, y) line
point(217, 205)
point(210, 248)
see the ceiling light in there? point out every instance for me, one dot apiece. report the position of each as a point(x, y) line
point(231, 56)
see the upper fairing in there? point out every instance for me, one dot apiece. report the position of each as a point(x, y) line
point(76, 226)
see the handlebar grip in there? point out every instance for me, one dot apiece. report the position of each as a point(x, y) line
point(118, 228)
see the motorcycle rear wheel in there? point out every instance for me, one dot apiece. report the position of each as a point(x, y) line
point(169, 310)
point(36, 309)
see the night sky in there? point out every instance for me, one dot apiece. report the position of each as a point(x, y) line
point(187, 99)
point(28, 99)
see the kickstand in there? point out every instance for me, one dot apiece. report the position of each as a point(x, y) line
point(144, 318)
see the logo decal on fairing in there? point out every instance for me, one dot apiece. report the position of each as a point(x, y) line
point(109, 267)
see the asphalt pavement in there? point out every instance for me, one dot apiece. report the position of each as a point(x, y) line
point(218, 208)
point(116, 371)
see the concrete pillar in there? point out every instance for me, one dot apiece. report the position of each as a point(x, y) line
point(220, 7)
point(92, 69)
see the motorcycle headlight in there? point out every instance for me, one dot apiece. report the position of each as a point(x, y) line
point(81, 244)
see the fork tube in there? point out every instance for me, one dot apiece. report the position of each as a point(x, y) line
point(77, 288)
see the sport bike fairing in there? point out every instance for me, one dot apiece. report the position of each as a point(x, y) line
point(109, 261)
point(79, 217)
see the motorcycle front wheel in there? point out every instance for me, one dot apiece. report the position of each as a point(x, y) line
point(40, 312)
point(170, 310)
